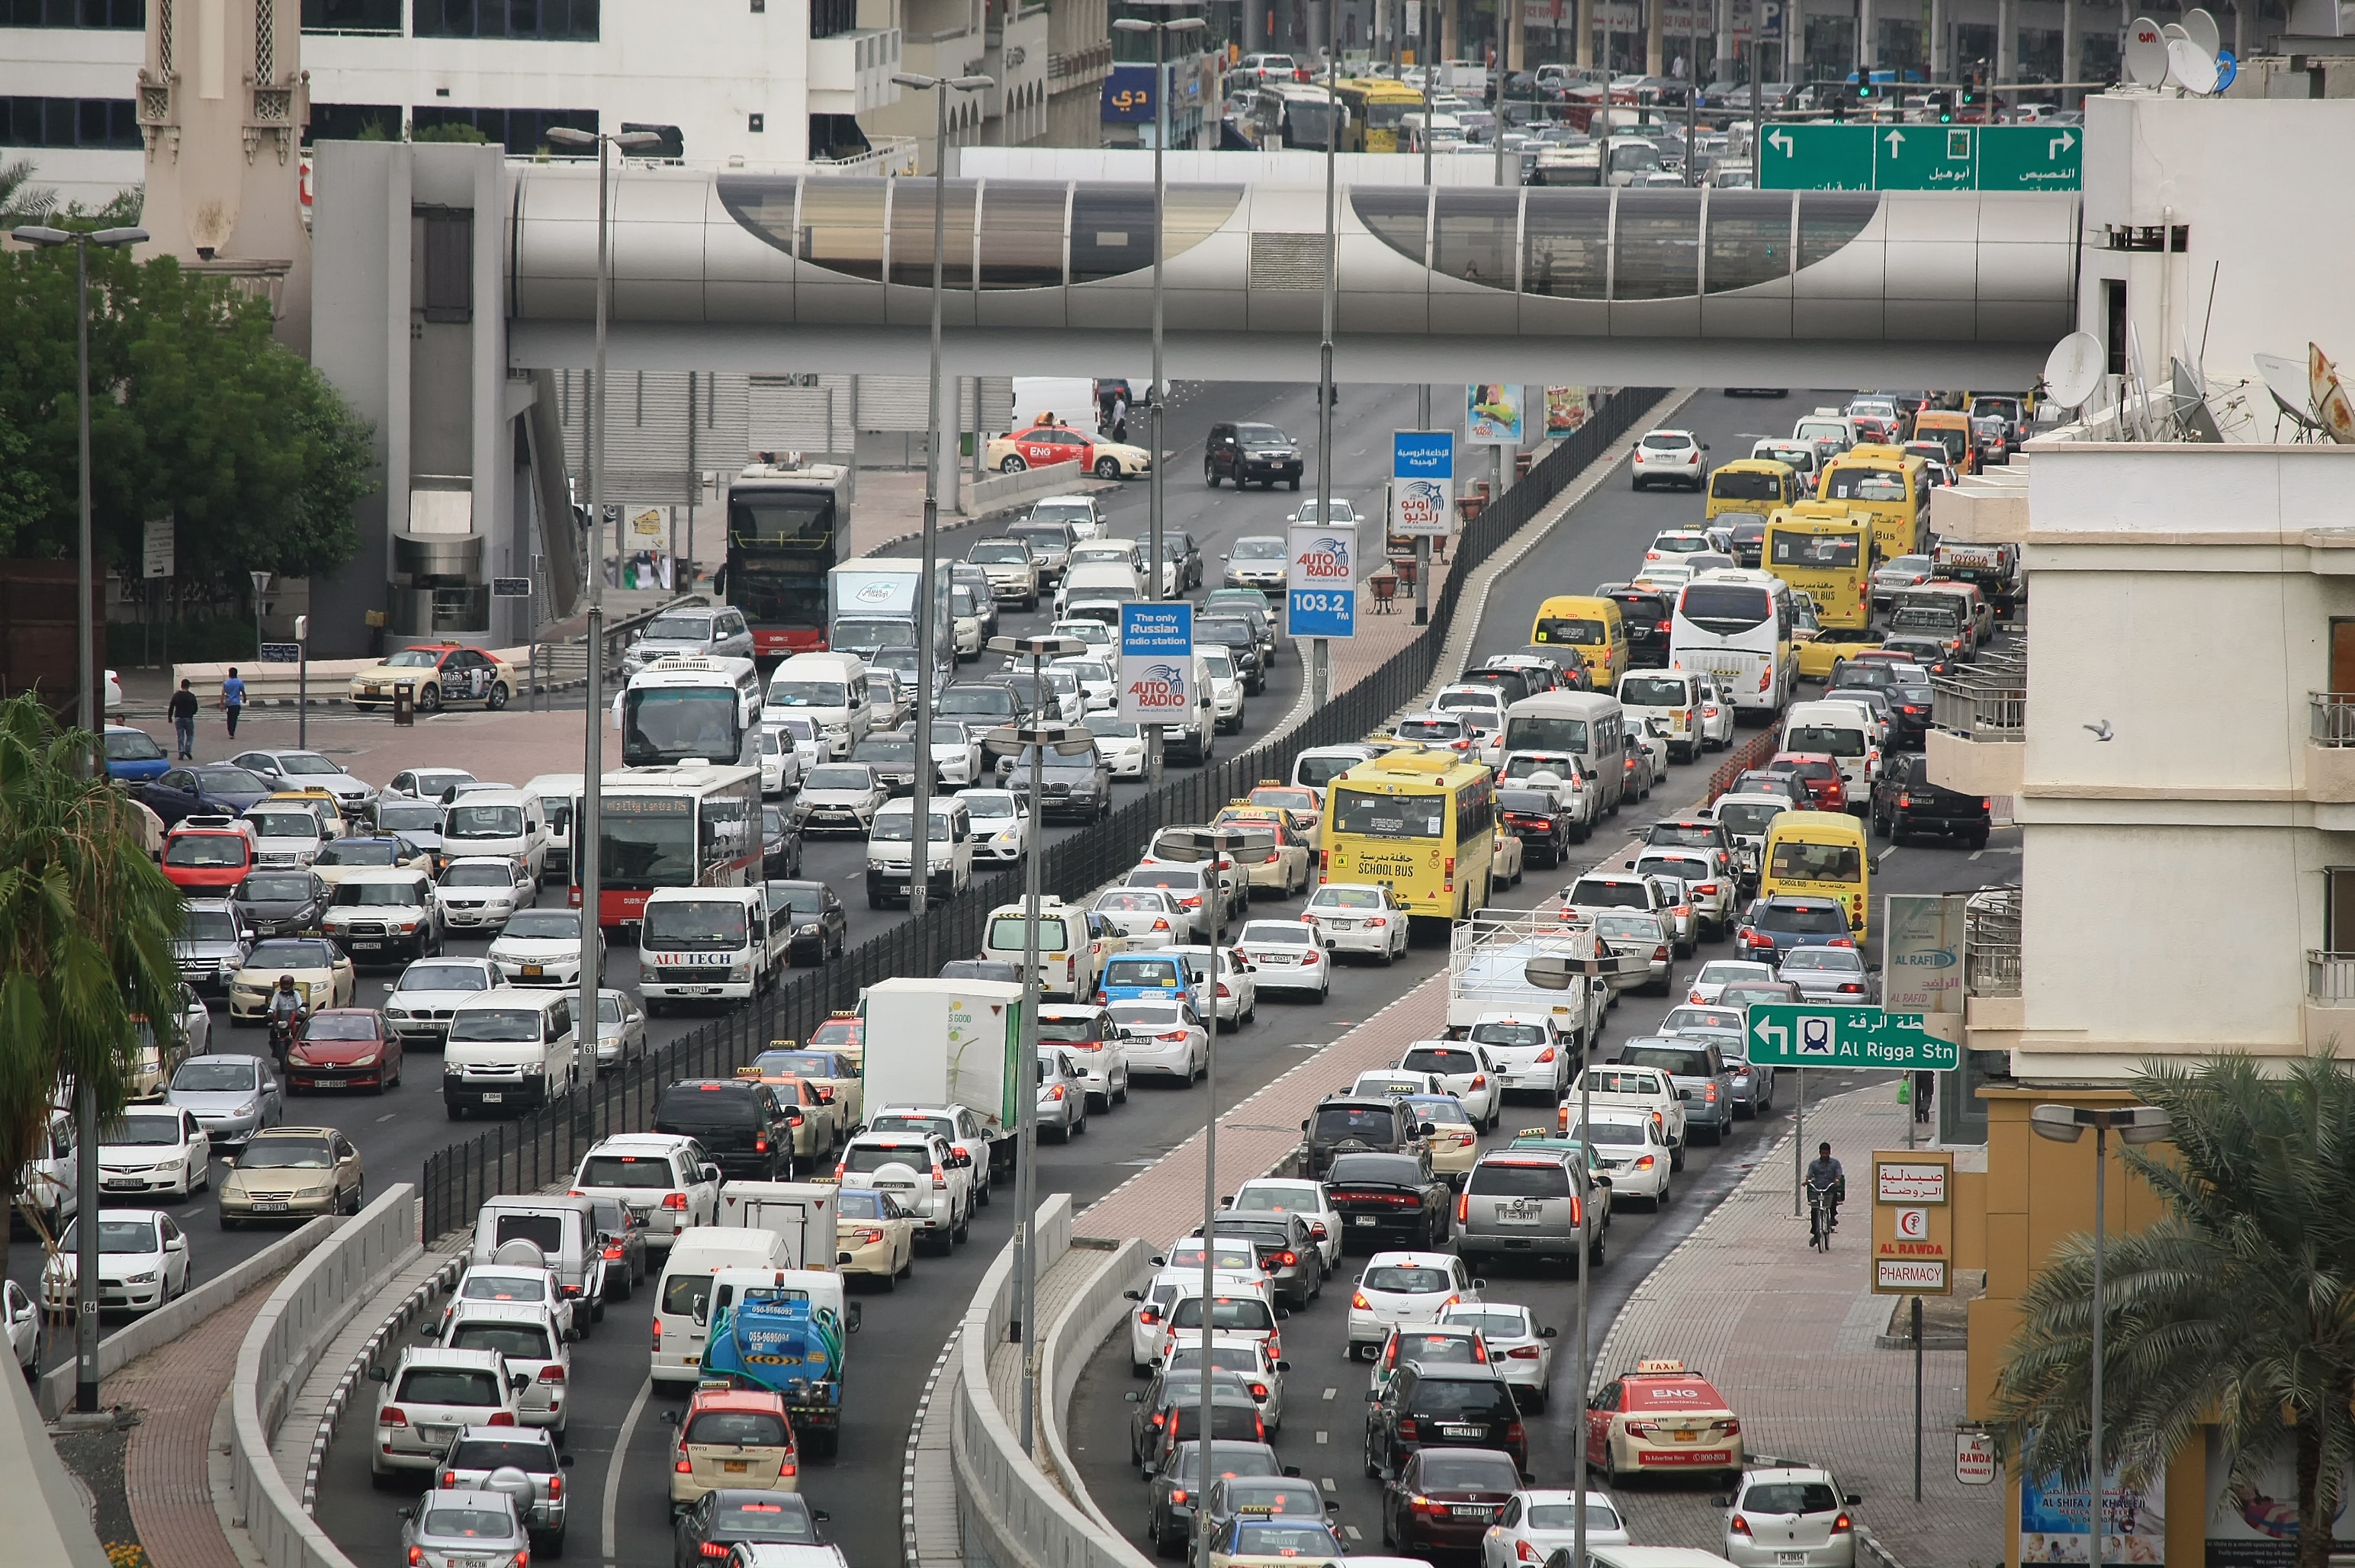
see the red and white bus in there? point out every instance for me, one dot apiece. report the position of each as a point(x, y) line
point(692, 827)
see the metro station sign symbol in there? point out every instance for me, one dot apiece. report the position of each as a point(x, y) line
point(1819, 1036)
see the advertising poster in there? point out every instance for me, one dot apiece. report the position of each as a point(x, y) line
point(1156, 662)
point(1925, 953)
point(1321, 584)
point(2053, 1522)
point(1493, 414)
point(1422, 484)
point(2253, 1523)
point(1566, 409)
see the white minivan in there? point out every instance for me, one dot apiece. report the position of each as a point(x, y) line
point(890, 844)
point(510, 824)
point(828, 687)
point(683, 1303)
point(508, 1049)
point(1671, 696)
point(705, 944)
point(556, 794)
point(1842, 731)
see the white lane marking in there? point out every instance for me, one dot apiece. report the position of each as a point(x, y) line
point(1974, 853)
point(1352, 1532)
point(1331, 1391)
point(389, 1115)
point(613, 1466)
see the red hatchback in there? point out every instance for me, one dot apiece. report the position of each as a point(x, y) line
point(1825, 789)
point(344, 1048)
point(207, 859)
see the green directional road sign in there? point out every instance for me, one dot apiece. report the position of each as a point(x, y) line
point(1817, 157)
point(1924, 157)
point(1789, 1034)
point(2031, 157)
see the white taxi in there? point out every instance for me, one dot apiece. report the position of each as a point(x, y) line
point(1359, 917)
point(1661, 1419)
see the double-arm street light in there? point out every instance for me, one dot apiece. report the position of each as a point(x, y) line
point(920, 868)
point(586, 832)
point(1067, 739)
point(1160, 392)
point(89, 716)
point(2066, 1125)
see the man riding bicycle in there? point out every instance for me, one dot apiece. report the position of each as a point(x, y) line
point(1827, 1184)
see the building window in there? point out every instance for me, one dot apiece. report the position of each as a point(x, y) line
point(2113, 323)
point(129, 14)
point(449, 264)
point(69, 122)
point(351, 16)
point(673, 143)
point(523, 132)
point(355, 123)
point(2338, 911)
point(832, 18)
point(755, 125)
point(554, 21)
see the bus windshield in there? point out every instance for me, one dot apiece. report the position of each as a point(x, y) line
point(1537, 733)
point(670, 724)
point(648, 841)
point(1725, 608)
point(1745, 484)
point(1388, 815)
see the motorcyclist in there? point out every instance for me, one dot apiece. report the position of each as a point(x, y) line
point(286, 1013)
point(1825, 1176)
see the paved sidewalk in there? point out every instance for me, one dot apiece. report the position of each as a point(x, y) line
point(1788, 1337)
point(166, 1463)
point(292, 1446)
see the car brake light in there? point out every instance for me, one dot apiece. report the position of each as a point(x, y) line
point(658, 1336)
point(1159, 923)
point(1526, 1552)
point(787, 1470)
point(392, 1416)
point(612, 1254)
point(1664, 625)
point(683, 1466)
point(713, 1549)
point(501, 1418)
point(1146, 1316)
point(555, 1487)
point(1515, 1433)
point(1259, 1391)
point(1523, 1353)
point(1177, 1495)
point(1358, 1303)
point(552, 1373)
point(1740, 1526)
point(940, 1179)
point(1406, 1428)
point(416, 1556)
point(1464, 1208)
point(1644, 1163)
point(675, 1201)
point(1311, 955)
point(1660, 952)
point(1705, 888)
point(449, 1478)
point(1561, 1116)
point(1851, 987)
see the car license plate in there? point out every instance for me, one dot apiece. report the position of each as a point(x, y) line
point(437, 1434)
point(1342, 924)
point(1520, 1213)
point(1794, 1558)
point(1364, 1220)
point(737, 1466)
point(1463, 1431)
point(493, 1097)
point(1684, 1437)
point(370, 946)
point(531, 969)
point(1471, 1511)
point(269, 1205)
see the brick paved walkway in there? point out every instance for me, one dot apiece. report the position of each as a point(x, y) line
point(1787, 1336)
point(165, 1467)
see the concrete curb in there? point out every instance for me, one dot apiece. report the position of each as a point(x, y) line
point(908, 1554)
point(442, 1279)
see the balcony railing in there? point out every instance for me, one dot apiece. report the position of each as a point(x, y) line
point(2331, 719)
point(1991, 942)
point(2329, 979)
point(1979, 705)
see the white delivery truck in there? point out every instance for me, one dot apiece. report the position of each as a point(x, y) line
point(799, 1213)
point(871, 605)
point(946, 1042)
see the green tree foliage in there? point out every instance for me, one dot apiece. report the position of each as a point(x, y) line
point(22, 201)
point(197, 414)
point(2237, 1307)
point(87, 923)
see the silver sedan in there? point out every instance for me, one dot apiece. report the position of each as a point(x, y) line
point(1829, 975)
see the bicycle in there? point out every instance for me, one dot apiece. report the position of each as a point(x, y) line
point(1823, 1212)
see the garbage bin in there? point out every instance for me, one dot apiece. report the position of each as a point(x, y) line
point(404, 705)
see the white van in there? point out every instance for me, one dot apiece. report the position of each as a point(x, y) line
point(890, 844)
point(1320, 765)
point(1671, 696)
point(682, 1304)
point(1098, 579)
point(556, 794)
point(508, 1049)
point(708, 944)
point(510, 824)
point(1843, 732)
point(1073, 946)
point(828, 687)
point(563, 1227)
point(1589, 724)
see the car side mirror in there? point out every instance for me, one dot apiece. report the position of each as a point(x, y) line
point(1373, 1396)
point(1599, 1181)
point(574, 1335)
point(380, 1375)
point(1284, 1366)
point(1425, 1129)
point(1304, 1124)
point(1480, 1284)
point(820, 1515)
point(564, 1461)
point(1852, 1500)
point(1132, 1395)
point(1292, 1471)
point(1226, 1202)
point(707, 1172)
point(404, 1513)
point(1283, 1312)
point(1132, 1295)
point(1160, 1262)
point(1724, 1501)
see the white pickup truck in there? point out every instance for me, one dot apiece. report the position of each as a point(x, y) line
point(1487, 972)
point(1643, 1089)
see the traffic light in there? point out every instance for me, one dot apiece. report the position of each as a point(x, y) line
point(1864, 91)
point(1944, 103)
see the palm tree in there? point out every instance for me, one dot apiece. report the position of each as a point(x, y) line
point(22, 201)
point(87, 923)
point(2237, 1307)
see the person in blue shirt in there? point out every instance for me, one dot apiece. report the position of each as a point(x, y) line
point(232, 699)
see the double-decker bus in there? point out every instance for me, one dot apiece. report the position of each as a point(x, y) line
point(1735, 627)
point(693, 826)
point(1377, 107)
point(785, 529)
point(1823, 550)
point(1422, 824)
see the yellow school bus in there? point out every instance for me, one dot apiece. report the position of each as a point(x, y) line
point(1378, 106)
point(1588, 628)
point(1823, 550)
point(1422, 824)
point(1892, 486)
point(1756, 484)
point(1819, 854)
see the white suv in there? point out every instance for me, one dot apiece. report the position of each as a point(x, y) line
point(665, 1179)
point(921, 1171)
point(430, 1395)
point(1671, 457)
point(379, 914)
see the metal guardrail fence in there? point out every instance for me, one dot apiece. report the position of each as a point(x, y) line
point(545, 1145)
point(1979, 709)
point(1991, 942)
point(2330, 717)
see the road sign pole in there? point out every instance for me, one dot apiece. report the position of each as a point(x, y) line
point(1799, 1149)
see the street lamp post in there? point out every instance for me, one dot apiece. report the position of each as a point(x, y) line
point(88, 712)
point(585, 832)
point(919, 855)
point(1154, 566)
point(1067, 739)
point(2066, 1125)
point(1320, 649)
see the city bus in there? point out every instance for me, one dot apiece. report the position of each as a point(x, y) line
point(692, 827)
point(1823, 550)
point(1590, 725)
point(1295, 115)
point(1377, 107)
point(1892, 486)
point(1735, 627)
point(1819, 854)
point(1422, 824)
point(785, 529)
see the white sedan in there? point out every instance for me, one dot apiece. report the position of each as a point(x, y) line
point(1716, 717)
point(1635, 1151)
point(155, 1148)
point(1465, 1070)
point(1293, 1195)
point(1119, 742)
point(24, 1322)
point(957, 754)
point(1097, 687)
point(1410, 1288)
point(1164, 1040)
point(1237, 989)
point(1001, 823)
point(542, 947)
point(1719, 973)
point(1286, 955)
point(1520, 1350)
point(1359, 917)
point(1534, 1525)
point(482, 891)
point(142, 1261)
point(1148, 917)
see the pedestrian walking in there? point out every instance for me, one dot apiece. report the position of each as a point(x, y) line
point(232, 699)
point(1119, 418)
point(183, 710)
point(1925, 1085)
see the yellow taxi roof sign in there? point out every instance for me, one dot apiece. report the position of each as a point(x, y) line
point(1660, 1366)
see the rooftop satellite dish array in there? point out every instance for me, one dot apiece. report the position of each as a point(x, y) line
point(2187, 55)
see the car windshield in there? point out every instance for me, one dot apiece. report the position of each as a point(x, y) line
point(803, 898)
point(856, 779)
point(1440, 1059)
point(278, 889)
point(988, 805)
point(1008, 552)
point(215, 1077)
point(492, 1453)
point(1245, 1314)
point(624, 1170)
point(694, 924)
point(1277, 934)
point(1616, 1134)
point(1137, 900)
point(209, 925)
point(1563, 1516)
point(1258, 1200)
point(785, 693)
point(342, 1026)
point(481, 874)
point(864, 1159)
point(785, 1518)
point(678, 629)
point(1409, 1279)
point(546, 925)
point(797, 1063)
point(282, 956)
point(463, 1523)
point(137, 1129)
point(1465, 1472)
point(1519, 1179)
point(900, 827)
point(272, 1152)
point(1683, 1061)
point(1684, 835)
point(516, 1342)
point(1259, 549)
point(283, 823)
point(1474, 1398)
point(377, 895)
point(360, 852)
point(206, 849)
point(493, 1025)
point(433, 977)
point(483, 822)
point(422, 818)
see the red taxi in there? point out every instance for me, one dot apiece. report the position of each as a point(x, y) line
point(1661, 1417)
point(212, 857)
point(736, 1438)
point(1819, 771)
point(1041, 445)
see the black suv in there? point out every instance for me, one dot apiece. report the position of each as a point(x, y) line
point(740, 1124)
point(1904, 801)
point(1444, 1407)
point(1241, 642)
point(821, 924)
point(1243, 452)
point(1357, 1122)
point(1645, 612)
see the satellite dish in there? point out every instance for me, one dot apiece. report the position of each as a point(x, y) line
point(2193, 68)
point(2173, 30)
point(2074, 370)
point(2145, 53)
point(2227, 68)
point(2285, 378)
point(2200, 28)
point(2331, 404)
